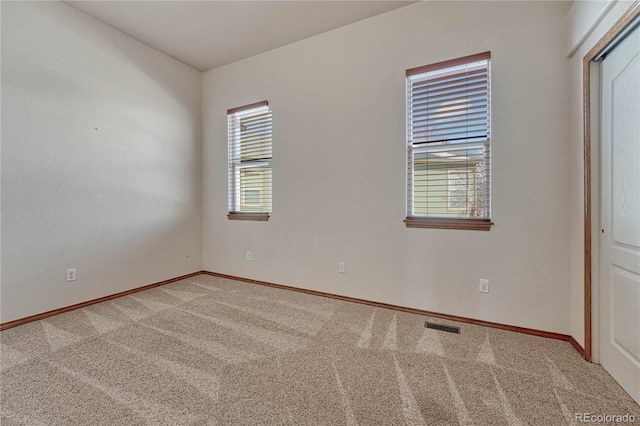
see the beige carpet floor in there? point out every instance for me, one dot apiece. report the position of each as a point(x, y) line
point(211, 351)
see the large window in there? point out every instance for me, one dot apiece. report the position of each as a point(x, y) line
point(250, 156)
point(448, 144)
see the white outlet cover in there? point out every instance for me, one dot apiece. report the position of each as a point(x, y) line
point(484, 286)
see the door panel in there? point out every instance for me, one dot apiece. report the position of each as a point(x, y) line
point(620, 215)
point(625, 301)
point(625, 128)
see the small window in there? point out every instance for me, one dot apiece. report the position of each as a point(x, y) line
point(250, 156)
point(448, 144)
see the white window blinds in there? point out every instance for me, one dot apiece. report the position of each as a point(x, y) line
point(448, 139)
point(250, 155)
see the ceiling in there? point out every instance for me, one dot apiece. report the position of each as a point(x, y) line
point(209, 34)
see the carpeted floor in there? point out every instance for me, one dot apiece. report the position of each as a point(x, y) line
point(207, 351)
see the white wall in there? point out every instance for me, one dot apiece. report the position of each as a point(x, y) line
point(338, 104)
point(100, 161)
point(581, 20)
point(586, 23)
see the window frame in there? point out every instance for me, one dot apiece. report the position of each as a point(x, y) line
point(237, 210)
point(424, 221)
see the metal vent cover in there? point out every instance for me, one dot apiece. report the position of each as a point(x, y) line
point(447, 328)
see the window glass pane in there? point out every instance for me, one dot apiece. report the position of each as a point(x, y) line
point(251, 197)
point(450, 182)
point(250, 189)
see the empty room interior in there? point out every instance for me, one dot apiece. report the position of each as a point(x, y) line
point(320, 212)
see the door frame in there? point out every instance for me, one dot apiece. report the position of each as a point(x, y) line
point(590, 107)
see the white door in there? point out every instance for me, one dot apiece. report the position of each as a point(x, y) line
point(620, 236)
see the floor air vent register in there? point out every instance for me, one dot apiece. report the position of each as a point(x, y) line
point(447, 328)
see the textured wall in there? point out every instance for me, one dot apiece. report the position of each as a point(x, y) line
point(100, 161)
point(338, 104)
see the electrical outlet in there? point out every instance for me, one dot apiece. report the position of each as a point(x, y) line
point(71, 274)
point(249, 255)
point(341, 267)
point(484, 286)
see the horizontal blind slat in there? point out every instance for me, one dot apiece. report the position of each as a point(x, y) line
point(444, 126)
point(443, 84)
point(460, 92)
point(467, 116)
